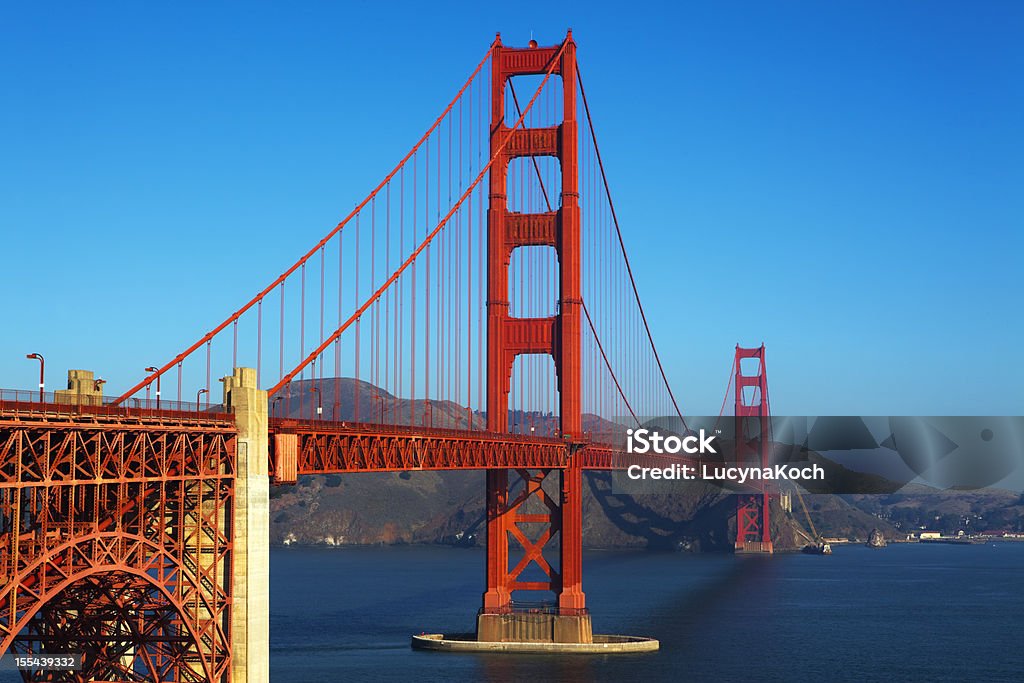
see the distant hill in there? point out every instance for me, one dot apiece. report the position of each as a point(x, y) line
point(447, 507)
point(346, 398)
point(915, 508)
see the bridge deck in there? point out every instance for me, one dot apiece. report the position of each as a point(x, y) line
point(300, 447)
point(319, 447)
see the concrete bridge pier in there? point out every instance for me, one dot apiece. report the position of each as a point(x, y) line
point(250, 608)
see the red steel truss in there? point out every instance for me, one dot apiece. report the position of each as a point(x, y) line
point(115, 540)
point(300, 447)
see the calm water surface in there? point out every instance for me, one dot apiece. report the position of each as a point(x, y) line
point(907, 612)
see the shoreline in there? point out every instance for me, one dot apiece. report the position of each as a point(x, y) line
point(638, 549)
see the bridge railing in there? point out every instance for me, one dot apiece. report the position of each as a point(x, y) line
point(287, 424)
point(25, 401)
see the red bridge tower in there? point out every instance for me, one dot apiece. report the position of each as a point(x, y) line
point(753, 444)
point(557, 336)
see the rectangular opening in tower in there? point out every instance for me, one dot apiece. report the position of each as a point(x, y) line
point(533, 558)
point(533, 401)
point(750, 367)
point(750, 428)
point(533, 282)
point(751, 396)
point(547, 107)
point(534, 184)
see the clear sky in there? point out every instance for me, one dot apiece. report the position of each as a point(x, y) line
point(842, 181)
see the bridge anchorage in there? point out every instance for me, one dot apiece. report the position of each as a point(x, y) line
point(136, 530)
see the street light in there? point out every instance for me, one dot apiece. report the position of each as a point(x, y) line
point(199, 395)
point(155, 369)
point(319, 405)
point(42, 371)
point(97, 386)
point(273, 405)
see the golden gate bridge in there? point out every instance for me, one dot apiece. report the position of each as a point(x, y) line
point(484, 277)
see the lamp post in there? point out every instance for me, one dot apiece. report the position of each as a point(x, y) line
point(199, 394)
point(155, 369)
point(273, 406)
point(319, 404)
point(42, 371)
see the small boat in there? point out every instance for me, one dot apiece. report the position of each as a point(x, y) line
point(818, 549)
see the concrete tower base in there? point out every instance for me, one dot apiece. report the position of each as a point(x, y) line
point(754, 548)
point(526, 627)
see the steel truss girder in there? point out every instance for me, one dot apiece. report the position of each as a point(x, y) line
point(322, 447)
point(133, 513)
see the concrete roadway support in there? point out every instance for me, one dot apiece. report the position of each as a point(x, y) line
point(83, 390)
point(250, 626)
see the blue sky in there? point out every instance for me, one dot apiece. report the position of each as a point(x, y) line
point(841, 181)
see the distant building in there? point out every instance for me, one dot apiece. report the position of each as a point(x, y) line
point(924, 535)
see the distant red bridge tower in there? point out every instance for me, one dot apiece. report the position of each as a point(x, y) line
point(753, 444)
